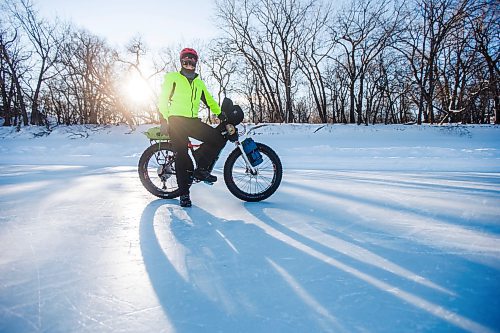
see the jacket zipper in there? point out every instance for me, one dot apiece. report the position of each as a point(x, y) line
point(192, 101)
point(194, 89)
point(193, 94)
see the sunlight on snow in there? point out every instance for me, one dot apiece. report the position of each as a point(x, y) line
point(174, 250)
point(430, 307)
point(20, 188)
point(304, 295)
point(301, 225)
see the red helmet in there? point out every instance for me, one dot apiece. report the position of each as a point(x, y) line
point(188, 51)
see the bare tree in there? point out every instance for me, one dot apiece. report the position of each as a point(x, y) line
point(45, 44)
point(423, 42)
point(281, 21)
point(486, 25)
point(455, 77)
point(236, 19)
point(267, 34)
point(12, 60)
point(249, 87)
point(317, 45)
point(222, 64)
point(337, 82)
point(87, 85)
point(364, 30)
point(290, 61)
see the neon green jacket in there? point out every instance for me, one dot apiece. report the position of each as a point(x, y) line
point(178, 97)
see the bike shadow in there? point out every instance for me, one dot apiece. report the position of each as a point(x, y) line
point(211, 274)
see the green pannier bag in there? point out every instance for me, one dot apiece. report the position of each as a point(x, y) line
point(154, 133)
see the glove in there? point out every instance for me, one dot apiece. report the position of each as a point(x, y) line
point(233, 137)
point(222, 116)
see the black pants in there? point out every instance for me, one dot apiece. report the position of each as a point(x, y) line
point(180, 129)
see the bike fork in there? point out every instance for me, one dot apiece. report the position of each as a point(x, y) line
point(253, 170)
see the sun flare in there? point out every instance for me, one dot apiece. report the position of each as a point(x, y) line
point(137, 89)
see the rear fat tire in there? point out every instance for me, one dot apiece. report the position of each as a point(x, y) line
point(144, 176)
point(269, 157)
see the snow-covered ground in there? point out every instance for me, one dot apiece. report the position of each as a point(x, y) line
point(374, 229)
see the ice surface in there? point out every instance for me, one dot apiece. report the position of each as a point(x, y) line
point(374, 229)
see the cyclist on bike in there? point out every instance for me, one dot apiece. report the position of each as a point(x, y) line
point(179, 102)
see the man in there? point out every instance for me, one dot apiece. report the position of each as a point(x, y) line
point(180, 98)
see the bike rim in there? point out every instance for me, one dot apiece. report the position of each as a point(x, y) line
point(160, 171)
point(254, 184)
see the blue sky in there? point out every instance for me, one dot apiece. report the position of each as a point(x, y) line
point(160, 23)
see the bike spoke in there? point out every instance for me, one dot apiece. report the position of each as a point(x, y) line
point(253, 184)
point(159, 171)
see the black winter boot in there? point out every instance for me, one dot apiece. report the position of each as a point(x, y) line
point(185, 201)
point(204, 175)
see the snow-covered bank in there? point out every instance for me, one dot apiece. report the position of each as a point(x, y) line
point(373, 229)
point(329, 147)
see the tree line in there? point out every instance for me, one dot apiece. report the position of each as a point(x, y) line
point(366, 62)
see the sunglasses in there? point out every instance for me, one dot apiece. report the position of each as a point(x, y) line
point(188, 62)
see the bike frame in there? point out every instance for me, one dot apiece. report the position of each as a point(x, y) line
point(253, 170)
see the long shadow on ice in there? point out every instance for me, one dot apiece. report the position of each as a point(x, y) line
point(418, 209)
point(312, 233)
point(235, 276)
point(466, 183)
point(402, 290)
point(213, 275)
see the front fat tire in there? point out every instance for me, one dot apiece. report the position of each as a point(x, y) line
point(144, 175)
point(275, 165)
